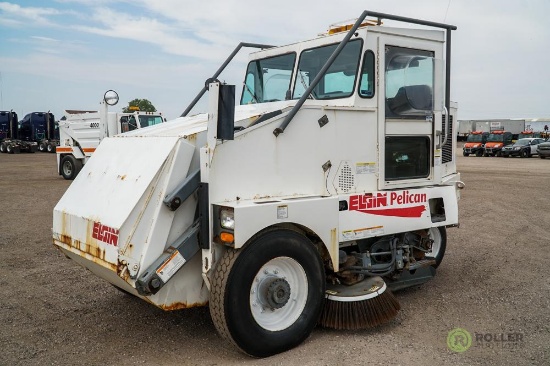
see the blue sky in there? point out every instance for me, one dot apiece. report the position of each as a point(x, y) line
point(64, 54)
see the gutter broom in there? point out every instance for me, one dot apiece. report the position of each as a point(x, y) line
point(366, 304)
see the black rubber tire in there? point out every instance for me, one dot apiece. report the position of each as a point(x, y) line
point(233, 282)
point(9, 149)
point(50, 148)
point(523, 154)
point(70, 167)
point(442, 245)
point(42, 147)
point(479, 153)
point(542, 157)
point(465, 154)
point(2, 147)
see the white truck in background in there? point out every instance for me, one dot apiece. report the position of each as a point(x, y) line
point(82, 131)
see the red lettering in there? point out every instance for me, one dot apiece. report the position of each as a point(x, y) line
point(354, 203)
point(105, 234)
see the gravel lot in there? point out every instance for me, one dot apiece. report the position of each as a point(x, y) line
point(492, 281)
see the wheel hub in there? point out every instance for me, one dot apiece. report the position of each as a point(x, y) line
point(277, 293)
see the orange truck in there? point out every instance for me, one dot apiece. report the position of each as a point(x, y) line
point(475, 143)
point(496, 141)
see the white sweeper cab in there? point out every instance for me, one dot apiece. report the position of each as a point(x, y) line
point(82, 131)
point(329, 185)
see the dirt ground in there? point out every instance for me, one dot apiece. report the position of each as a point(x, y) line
point(493, 282)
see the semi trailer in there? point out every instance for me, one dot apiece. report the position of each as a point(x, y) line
point(331, 182)
point(82, 131)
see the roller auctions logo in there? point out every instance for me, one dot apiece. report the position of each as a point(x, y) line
point(459, 340)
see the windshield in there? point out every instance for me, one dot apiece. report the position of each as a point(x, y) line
point(149, 120)
point(474, 138)
point(495, 137)
point(39, 122)
point(522, 142)
point(268, 80)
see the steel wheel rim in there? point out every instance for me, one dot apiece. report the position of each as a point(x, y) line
point(289, 270)
point(435, 235)
point(67, 168)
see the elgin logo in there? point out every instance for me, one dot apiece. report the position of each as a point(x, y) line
point(105, 234)
point(387, 204)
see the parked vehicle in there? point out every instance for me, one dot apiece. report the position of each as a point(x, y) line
point(524, 148)
point(475, 143)
point(11, 140)
point(40, 127)
point(496, 141)
point(81, 133)
point(241, 209)
point(543, 149)
point(530, 134)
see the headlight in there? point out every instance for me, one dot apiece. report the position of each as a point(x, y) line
point(516, 148)
point(227, 219)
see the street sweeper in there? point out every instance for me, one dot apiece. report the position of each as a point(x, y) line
point(329, 185)
point(82, 131)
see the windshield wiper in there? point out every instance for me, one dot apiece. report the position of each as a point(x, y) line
point(312, 95)
point(251, 93)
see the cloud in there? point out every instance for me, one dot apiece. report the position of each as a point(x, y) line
point(150, 30)
point(38, 15)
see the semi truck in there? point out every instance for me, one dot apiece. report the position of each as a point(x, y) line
point(82, 131)
point(332, 182)
point(16, 137)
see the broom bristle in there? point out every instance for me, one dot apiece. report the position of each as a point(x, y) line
point(359, 309)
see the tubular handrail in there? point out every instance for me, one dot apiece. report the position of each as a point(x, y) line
point(222, 67)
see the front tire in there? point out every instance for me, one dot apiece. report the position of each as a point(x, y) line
point(267, 297)
point(439, 237)
point(70, 167)
point(524, 154)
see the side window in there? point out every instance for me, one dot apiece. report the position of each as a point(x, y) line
point(407, 157)
point(338, 81)
point(366, 83)
point(409, 78)
point(132, 123)
point(268, 80)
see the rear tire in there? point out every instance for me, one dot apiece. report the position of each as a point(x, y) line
point(479, 153)
point(2, 147)
point(42, 147)
point(542, 157)
point(439, 237)
point(9, 149)
point(70, 167)
point(465, 153)
point(267, 297)
point(50, 148)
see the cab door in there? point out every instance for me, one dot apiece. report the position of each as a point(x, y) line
point(411, 105)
